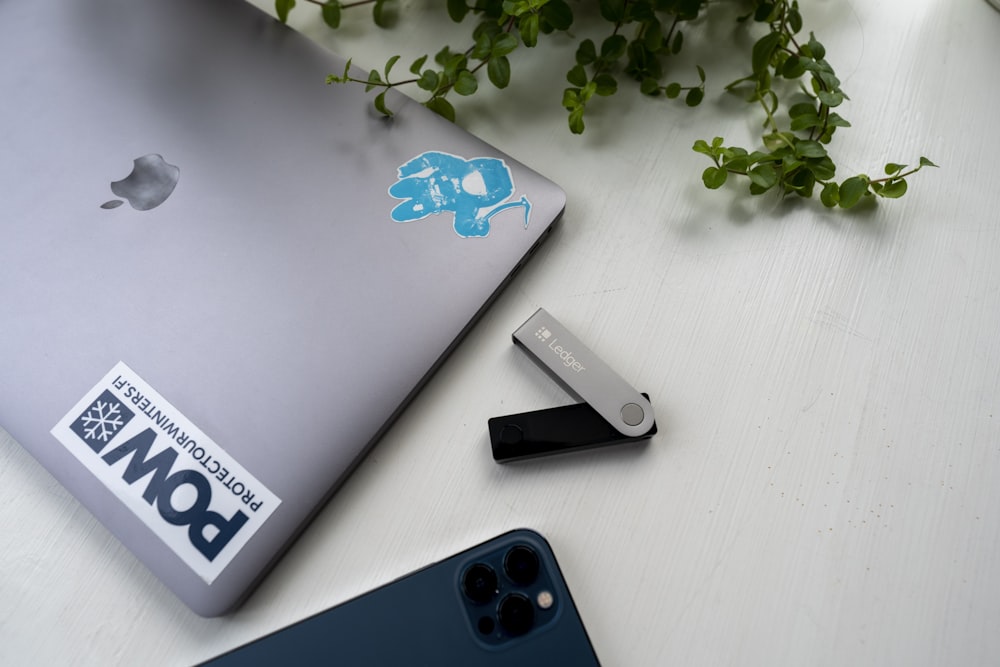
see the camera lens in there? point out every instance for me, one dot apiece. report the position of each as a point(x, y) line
point(480, 583)
point(515, 613)
point(521, 565)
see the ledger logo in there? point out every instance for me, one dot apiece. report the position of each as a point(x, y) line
point(151, 181)
point(566, 356)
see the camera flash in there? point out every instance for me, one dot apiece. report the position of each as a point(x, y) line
point(544, 600)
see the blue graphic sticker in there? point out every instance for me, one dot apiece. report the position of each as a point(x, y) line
point(473, 190)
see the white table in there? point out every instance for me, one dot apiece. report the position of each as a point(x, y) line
point(825, 485)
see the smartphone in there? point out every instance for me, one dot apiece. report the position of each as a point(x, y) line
point(503, 602)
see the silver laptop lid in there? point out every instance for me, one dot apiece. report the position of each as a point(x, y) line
point(223, 278)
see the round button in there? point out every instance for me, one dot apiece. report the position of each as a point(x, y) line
point(632, 414)
point(511, 434)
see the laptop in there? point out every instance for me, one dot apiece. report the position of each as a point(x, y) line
point(222, 279)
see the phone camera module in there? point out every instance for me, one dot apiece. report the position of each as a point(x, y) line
point(521, 565)
point(516, 614)
point(480, 583)
point(509, 593)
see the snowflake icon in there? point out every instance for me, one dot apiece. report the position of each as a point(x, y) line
point(104, 418)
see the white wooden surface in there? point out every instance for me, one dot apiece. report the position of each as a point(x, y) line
point(825, 486)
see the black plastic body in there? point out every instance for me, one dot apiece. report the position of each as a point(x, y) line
point(428, 618)
point(554, 431)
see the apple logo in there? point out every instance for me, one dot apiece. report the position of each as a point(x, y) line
point(150, 183)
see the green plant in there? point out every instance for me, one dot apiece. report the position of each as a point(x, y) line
point(642, 37)
point(795, 158)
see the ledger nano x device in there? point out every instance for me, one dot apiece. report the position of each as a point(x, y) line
point(612, 412)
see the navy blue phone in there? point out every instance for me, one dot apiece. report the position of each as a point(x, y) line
point(503, 602)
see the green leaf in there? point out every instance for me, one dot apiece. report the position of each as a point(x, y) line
point(701, 72)
point(794, 20)
point(571, 98)
point(649, 86)
point(778, 140)
point(333, 78)
point(388, 66)
point(793, 68)
point(764, 12)
point(441, 107)
point(443, 56)
point(737, 163)
point(673, 90)
point(830, 81)
point(852, 190)
point(800, 182)
point(527, 26)
point(418, 64)
point(701, 146)
point(576, 120)
point(894, 189)
point(482, 48)
point(835, 120)
point(817, 50)
point(924, 162)
point(466, 84)
point(763, 176)
point(558, 14)
point(763, 50)
point(652, 37)
point(893, 168)
point(805, 122)
point(613, 47)
point(830, 98)
point(577, 76)
point(806, 148)
point(512, 8)
point(802, 109)
point(694, 97)
point(612, 11)
point(503, 44)
point(789, 163)
point(830, 195)
point(428, 80)
point(498, 71)
point(374, 80)
point(379, 15)
point(282, 7)
point(380, 104)
point(714, 177)
point(457, 9)
point(586, 53)
point(823, 169)
point(688, 9)
point(639, 12)
point(331, 13)
point(678, 43)
point(454, 64)
point(606, 84)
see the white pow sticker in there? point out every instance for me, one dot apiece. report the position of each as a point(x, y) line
point(196, 498)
